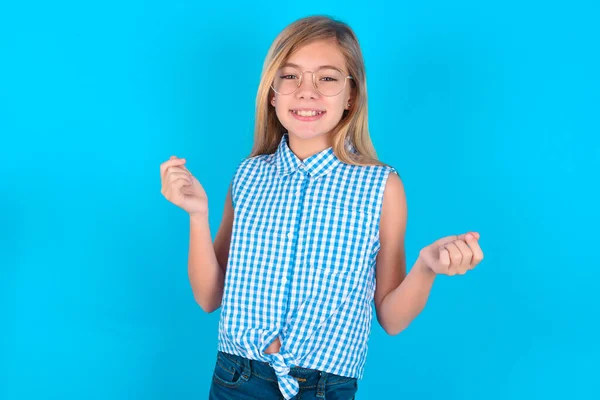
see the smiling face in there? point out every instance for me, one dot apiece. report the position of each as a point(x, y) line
point(306, 113)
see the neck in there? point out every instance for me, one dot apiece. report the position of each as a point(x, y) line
point(304, 148)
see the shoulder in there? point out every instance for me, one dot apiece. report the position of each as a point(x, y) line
point(381, 180)
point(394, 187)
point(394, 208)
point(261, 158)
point(245, 169)
point(382, 174)
point(249, 163)
point(382, 170)
point(249, 166)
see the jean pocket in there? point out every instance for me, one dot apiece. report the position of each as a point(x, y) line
point(341, 388)
point(228, 372)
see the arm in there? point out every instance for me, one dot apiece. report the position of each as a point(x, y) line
point(207, 261)
point(399, 298)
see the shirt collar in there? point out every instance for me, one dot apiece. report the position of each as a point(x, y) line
point(316, 165)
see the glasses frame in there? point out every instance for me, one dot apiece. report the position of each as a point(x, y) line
point(314, 83)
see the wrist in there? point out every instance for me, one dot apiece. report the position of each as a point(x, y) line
point(198, 217)
point(422, 268)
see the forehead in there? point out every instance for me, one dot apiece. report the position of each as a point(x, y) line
point(317, 53)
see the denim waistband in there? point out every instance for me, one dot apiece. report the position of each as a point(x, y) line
point(306, 377)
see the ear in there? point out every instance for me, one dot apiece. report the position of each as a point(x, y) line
point(351, 98)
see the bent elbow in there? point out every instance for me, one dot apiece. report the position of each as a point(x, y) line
point(393, 330)
point(208, 306)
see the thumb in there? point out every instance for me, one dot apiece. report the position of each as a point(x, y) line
point(464, 235)
point(186, 170)
point(449, 239)
point(182, 165)
point(445, 240)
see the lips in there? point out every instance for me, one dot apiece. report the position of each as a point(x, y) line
point(307, 115)
point(307, 112)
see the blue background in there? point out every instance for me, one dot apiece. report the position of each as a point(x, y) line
point(488, 110)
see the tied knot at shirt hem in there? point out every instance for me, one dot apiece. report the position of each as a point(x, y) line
point(280, 363)
point(288, 386)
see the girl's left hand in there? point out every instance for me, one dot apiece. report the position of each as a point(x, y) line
point(453, 255)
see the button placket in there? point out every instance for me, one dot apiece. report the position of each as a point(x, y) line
point(297, 198)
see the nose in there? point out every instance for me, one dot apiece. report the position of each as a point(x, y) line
point(307, 89)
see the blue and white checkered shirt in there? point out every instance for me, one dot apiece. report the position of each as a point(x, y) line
point(302, 262)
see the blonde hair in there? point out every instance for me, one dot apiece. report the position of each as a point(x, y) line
point(353, 127)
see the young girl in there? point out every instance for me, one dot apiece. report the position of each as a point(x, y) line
point(312, 231)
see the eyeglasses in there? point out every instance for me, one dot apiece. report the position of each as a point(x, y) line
point(328, 81)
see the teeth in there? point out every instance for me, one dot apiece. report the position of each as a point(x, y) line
point(304, 113)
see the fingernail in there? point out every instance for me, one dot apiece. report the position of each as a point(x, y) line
point(470, 236)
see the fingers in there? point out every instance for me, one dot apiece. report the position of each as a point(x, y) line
point(174, 165)
point(173, 176)
point(464, 253)
point(445, 240)
point(464, 235)
point(175, 184)
point(175, 179)
point(455, 258)
point(476, 250)
point(172, 162)
point(181, 169)
point(444, 260)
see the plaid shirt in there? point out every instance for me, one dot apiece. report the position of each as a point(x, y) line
point(302, 262)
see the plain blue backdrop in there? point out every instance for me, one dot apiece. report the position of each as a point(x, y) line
point(489, 111)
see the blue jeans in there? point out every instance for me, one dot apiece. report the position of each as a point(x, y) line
point(238, 378)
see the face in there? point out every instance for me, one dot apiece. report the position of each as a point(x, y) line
point(306, 113)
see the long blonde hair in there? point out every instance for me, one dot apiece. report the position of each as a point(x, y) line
point(353, 128)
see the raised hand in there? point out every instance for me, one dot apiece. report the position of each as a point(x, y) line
point(454, 254)
point(181, 188)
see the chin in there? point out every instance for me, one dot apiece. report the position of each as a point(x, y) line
point(306, 131)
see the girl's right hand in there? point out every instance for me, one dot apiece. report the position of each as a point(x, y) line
point(181, 188)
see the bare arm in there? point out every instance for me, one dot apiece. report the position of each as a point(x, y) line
point(402, 305)
point(207, 261)
point(399, 298)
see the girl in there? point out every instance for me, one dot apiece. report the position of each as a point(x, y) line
point(312, 231)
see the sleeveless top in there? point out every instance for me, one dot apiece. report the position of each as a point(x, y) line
point(301, 263)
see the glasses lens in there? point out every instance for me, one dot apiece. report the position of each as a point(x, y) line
point(286, 80)
point(330, 81)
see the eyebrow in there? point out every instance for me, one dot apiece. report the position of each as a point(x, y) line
point(320, 66)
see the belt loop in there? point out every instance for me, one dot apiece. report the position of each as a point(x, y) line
point(247, 371)
point(321, 385)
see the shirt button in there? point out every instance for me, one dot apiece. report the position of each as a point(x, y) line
point(290, 235)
